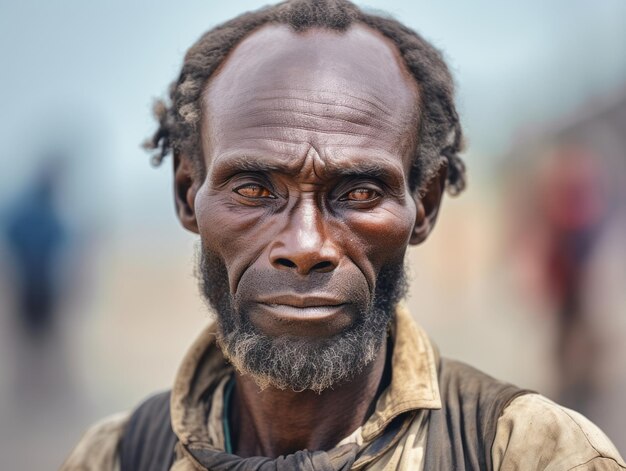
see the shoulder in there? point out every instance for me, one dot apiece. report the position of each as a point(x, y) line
point(473, 400)
point(97, 449)
point(536, 433)
point(461, 432)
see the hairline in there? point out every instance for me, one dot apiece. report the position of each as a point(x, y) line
point(439, 134)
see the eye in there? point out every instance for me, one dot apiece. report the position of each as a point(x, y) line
point(361, 194)
point(253, 190)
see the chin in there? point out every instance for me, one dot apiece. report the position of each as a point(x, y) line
point(298, 363)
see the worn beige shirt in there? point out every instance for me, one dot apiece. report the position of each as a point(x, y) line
point(532, 433)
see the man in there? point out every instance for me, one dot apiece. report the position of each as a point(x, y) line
point(311, 145)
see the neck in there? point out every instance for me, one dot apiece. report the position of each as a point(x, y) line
point(273, 422)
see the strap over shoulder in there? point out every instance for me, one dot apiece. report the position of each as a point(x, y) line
point(148, 441)
point(461, 433)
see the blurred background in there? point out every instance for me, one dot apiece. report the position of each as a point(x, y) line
point(523, 277)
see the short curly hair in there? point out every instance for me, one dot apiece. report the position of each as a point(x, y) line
point(438, 134)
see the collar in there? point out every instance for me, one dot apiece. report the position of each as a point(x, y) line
point(413, 376)
point(413, 384)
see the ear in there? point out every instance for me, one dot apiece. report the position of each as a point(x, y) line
point(186, 186)
point(427, 202)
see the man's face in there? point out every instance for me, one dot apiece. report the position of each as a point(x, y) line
point(305, 213)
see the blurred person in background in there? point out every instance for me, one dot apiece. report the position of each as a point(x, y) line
point(312, 143)
point(36, 238)
point(569, 215)
point(573, 202)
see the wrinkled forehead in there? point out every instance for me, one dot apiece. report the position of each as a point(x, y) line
point(357, 68)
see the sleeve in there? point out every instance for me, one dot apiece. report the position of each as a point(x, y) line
point(534, 433)
point(97, 449)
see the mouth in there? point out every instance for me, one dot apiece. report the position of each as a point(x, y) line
point(309, 313)
point(301, 302)
point(302, 315)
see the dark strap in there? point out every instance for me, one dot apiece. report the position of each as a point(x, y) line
point(461, 433)
point(148, 441)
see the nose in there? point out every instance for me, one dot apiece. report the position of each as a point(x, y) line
point(305, 244)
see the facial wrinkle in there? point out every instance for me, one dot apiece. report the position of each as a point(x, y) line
point(346, 105)
point(272, 117)
point(320, 97)
point(338, 116)
point(313, 166)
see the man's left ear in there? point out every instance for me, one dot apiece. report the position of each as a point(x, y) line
point(427, 203)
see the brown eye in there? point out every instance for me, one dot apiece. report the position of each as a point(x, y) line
point(252, 190)
point(361, 194)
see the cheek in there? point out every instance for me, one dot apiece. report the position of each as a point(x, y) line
point(227, 229)
point(384, 233)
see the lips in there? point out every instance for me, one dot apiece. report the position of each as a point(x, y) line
point(301, 302)
point(302, 315)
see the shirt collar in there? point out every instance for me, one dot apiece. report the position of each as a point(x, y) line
point(413, 375)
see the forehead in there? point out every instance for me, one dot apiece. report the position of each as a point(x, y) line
point(284, 91)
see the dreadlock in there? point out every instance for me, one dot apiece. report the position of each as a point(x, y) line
point(438, 135)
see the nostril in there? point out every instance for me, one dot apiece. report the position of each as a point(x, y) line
point(322, 266)
point(285, 262)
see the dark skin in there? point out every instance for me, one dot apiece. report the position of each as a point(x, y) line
point(275, 422)
point(307, 141)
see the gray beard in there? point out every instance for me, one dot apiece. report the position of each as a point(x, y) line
point(297, 363)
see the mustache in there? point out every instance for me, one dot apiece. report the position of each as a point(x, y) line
point(346, 285)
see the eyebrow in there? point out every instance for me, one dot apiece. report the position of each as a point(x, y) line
point(247, 163)
point(361, 168)
point(371, 169)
